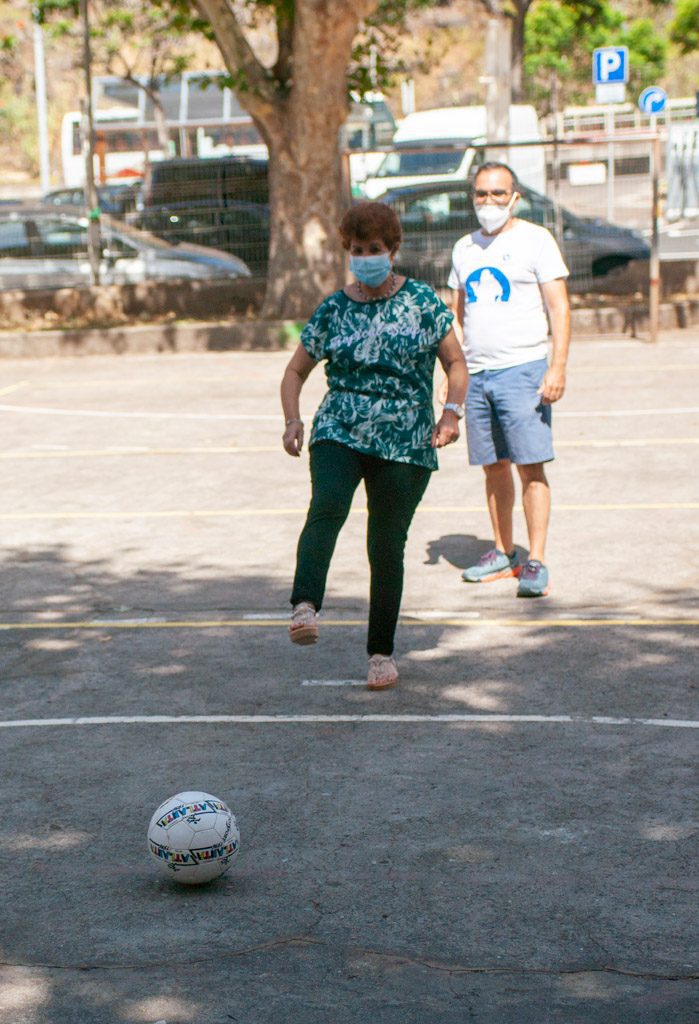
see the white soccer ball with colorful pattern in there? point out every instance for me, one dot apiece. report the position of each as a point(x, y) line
point(193, 837)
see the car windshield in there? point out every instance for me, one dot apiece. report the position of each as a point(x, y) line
point(422, 162)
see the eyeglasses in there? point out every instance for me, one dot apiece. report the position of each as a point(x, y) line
point(500, 195)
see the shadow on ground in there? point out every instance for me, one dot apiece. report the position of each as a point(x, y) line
point(413, 874)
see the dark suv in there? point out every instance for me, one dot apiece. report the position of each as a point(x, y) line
point(435, 216)
point(222, 202)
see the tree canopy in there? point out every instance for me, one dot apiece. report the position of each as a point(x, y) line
point(684, 29)
point(560, 38)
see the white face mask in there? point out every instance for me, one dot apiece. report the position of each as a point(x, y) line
point(491, 217)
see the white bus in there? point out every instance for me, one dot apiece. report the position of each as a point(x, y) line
point(203, 119)
point(122, 147)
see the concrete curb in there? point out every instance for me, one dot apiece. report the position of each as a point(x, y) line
point(224, 336)
point(141, 340)
point(633, 320)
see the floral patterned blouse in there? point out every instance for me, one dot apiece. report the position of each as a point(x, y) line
point(380, 360)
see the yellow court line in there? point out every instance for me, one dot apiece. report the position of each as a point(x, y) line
point(573, 623)
point(635, 368)
point(80, 453)
point(14, 387)
point(273, 512)
point(126, 451)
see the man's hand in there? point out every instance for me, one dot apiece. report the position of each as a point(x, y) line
point(553, 385)
point(447, 430)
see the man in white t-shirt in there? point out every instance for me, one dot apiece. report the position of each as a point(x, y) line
point(505, 277)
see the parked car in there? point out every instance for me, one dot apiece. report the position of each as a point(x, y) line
point(117, 200)
point(435, 216)
point(445, 143)
point(218, 201)
point(44, 248)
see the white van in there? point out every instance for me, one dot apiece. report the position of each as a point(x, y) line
point(416, 160)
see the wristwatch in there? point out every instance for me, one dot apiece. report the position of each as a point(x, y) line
point(458, 410)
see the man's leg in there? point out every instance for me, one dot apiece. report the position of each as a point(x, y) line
point(487, 448)
point(500, 493)
point(536, 499)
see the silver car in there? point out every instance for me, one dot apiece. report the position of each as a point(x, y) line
point(41, 248)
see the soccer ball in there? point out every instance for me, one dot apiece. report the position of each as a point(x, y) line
point(193, 837)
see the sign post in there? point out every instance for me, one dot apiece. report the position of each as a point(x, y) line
point(610, 73)
point(652, 101)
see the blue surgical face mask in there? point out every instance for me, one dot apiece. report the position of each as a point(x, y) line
point(371, 270)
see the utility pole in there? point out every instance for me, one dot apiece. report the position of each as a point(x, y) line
point(40, 88)
point(88, 132)
point(654, 284)
point(556, 161)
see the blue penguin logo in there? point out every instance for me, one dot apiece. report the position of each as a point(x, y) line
point(496, 287)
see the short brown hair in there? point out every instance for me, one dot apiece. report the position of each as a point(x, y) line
point(368, 220)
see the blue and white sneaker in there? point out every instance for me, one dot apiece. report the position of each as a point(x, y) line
point(533, 580)
point(493, 565)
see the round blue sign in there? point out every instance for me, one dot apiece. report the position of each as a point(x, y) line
point(652, 100)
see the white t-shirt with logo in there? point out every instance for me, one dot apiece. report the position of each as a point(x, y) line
point(504, 318)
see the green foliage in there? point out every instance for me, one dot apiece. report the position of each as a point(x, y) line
point(684, 28)
point(560, 38)
point(375, 62)
point(156, 34)
point(18, 129)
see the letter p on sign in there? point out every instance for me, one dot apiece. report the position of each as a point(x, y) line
point(610, 64)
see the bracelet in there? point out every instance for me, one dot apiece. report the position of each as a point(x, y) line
point(289, 422)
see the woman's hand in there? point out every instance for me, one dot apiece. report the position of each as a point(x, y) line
point(292, 438)
point(447, 430)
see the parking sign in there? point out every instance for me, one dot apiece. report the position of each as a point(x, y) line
point(610, 64)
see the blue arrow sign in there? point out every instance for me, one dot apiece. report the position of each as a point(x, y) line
point(652, 100)
point(610, 64)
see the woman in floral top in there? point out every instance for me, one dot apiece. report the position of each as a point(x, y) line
point(380, 337)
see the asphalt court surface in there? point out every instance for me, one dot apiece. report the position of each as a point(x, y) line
point(509, 836)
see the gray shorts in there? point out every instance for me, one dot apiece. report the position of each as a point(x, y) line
point(505, 418)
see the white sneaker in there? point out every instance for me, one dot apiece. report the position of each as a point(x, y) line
point(383, 672)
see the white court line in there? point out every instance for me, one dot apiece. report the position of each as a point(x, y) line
point(40, 410)
point(333, 682)
point(266, 616)
point(407, 719)
point(678, 411)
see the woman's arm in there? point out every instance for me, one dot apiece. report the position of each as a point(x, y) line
point(454, 365)
point(457, 307)
point(295, 376)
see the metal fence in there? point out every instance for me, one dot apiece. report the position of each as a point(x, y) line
point(595, 193)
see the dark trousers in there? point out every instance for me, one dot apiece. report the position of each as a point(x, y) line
point(393, 490)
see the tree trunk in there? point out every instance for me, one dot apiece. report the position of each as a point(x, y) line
point(519, 17)
point(516, 11)
point(306, 260)
point(300, 124)
point(518, 52)
point(161, 123)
